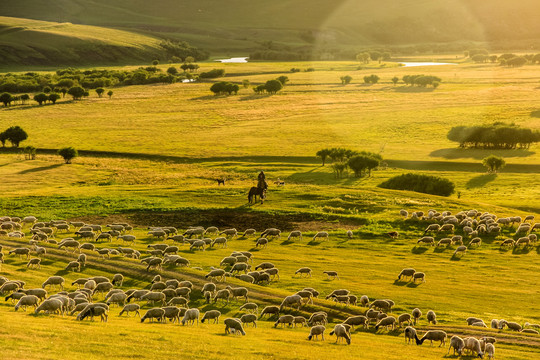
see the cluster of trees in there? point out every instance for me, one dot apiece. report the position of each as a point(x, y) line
point(371, 79)
point(47, 96)
point(375, 55)
point(178, 50)
point(295, 70)
point(497, 136)
point(360, 162)
point(14, 134)
point(212, 74)
point(426, 184)
point(507, 59)
point(421, 80)
point(224, 87)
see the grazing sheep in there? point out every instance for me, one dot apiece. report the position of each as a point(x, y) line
point(427, 240)
point(314, 292)
point(433, 335)
point(273, 232)
point(118, 280)
point(229, 233)
point(238, 292)
point(264, 266)
point(475, 242)
point(21, 252)
point(295, 234)
point(403, 213)
point(404, 318)
point(240, 266)
point(527, 324)
point(262, 242)
point(154, 313)
point(303, 271)
point(250, 307)
point(130, 308)
point(410, 334)
point(530, 331)
point(305, 294)
point(457, 240)
point(349, 234)
point(284, 319)
point(386, 322)
point(511, 325)
point(233, 325)
point(34, 262)
point(321, 234)
point(457, 344)
point(315, 331)
point(338, 293)
point(460, 250)
point(216, 274)
point(299, 320)
point(332, 274)
point(172, 313)
point(51, 305)
point(40, 293)
point(444, 242)
point(416, 313)
point(211, 315)
point(270, 310)
point(153, 297)
point(419, 276)
point(392, 234)
point(409, 272)
point(224, 294)
point(273, 272)
point(54, 281)
point(249, 232)
point(479, 324)
point(431, 317)
point(27, 300)
point(220, 241)
point(191, 316)
point(291, 300)
point(341, 299)
point(432, 227)
point(357, 321)
point(117, 298)
point(341, 332)
point(490, 350)
point(474, 346)
point(154, 263)
point(383, 305)
point(249, 318)
point(73, 265)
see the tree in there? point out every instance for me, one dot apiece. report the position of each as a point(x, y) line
point(395, 80)
point(172, 70)
point(16, 135)
point(155, 62)
point(516, 61)
point(64, 91)
point(283, 79)
point(360, 163)
point(68, 153)
point(346, 79)
point(493, 163)
point(373, 79)
point(110, 94)
point(363, 57)
point(6, 98)
point(435, 84)
point(30, 153)
point(323, 154)
point(25, 98)
point(189, 59)
point(375, 56)
point(339, 169)
point(3, 138)
point(184, 67)
point(245, 83)
point(273, 86)
point(53, 97)
point(41, 98)
point(100, 91)
point(77, 92)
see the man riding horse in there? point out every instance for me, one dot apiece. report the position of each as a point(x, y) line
point(260, 190)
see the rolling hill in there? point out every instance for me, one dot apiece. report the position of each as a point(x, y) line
point(242, 26)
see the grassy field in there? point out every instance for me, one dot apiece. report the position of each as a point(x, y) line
point(151, 156)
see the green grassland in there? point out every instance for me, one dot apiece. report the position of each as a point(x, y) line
point(26, 41)
point(239, 26)
point(151, 155)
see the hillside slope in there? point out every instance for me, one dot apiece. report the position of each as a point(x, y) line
point(239, 25)
point(24, 41)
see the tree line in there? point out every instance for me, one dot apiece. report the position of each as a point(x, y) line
point(270, 86)
point(496, 136)
point(507, 59)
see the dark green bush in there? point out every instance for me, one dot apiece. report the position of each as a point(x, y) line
point(426, 184)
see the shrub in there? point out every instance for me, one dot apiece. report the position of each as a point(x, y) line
point(68, 153)
point(493, 163)
point(371, 79)
point(15, 135)
point(100, 91)
point(53, 97)
point(426, 184)
point(41, 98)
point(345, 79)
point(110, 94)
point(273, 86)
point(77, 92)
point(212, 74)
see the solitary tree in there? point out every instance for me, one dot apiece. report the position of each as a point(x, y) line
point(273, 86)
point(323, 154)
point(77, 92)
point(346, 79)
point(493, 163)
point(6, 98)
point(172, 70)
point(41, 98)
point(15, 135)
point(395, 80)
point(68, 153)
point(110, 94)
point(53, 97)
point(100, 91)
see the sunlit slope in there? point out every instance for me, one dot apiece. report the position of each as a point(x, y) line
point(31, 41)
point(241, 23)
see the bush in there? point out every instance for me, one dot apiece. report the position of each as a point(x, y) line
point(426, 184)
point(212, 74)
point(110, 94)
point(345, 79)
point(224, 87)
point(273, 86)
point(77, 92)
point(15, 135)
point(100, 91)
point(53, 97)
point(371, 79)
point(30, 153)
point(68, 153)
point(6, 98)
point(493, 163)
point(41, 98)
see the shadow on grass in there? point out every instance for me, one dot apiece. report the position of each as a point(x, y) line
point(521, 251)
point(535, 113)
point(400, 283)
point(456, 257)
point(480, 181)
point(314, 243)
point(254, 97)
point(439, 249)
point(413, 89)
point(478, 154)
point(287, 242)
point(419, 250)
point(413, 285)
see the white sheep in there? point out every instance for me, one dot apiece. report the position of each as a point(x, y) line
point(191, 316)
point(321, 234)
point(315, 331)
point(341, 332)
point(27, 300)
point(233, 325)
point(457, 344)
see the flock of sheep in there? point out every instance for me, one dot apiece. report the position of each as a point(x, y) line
point(174, 296)
point(473, 225)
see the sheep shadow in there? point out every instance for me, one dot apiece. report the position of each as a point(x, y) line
point(455, 258)
point(521, 251)
point(503, 249)
point(287, 242)
point(400, 283)
point(24, 269)
point(413, 285)
point(419, 250)
point(439, 249)
point(314, 243)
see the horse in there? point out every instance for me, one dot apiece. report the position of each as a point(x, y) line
point(254, 192)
